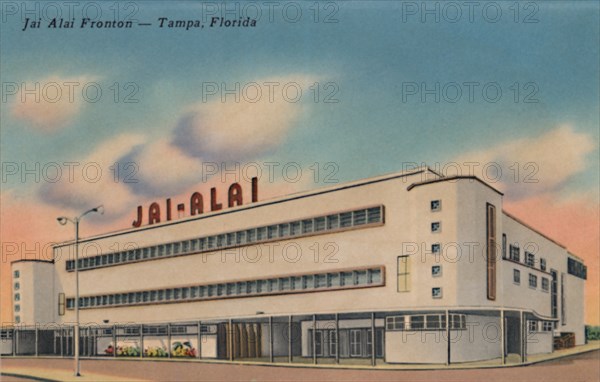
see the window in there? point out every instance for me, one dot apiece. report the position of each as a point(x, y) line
point(545, 284)
point(17, 319)
point(17, 308)
point(547, 326)
point(529, 259)
point(532, 326)
point(436, 227)
point(403, 273)
point(17, 297)
point(417, 322)
point(436, 292)
point(61, 304)
point(504, 249)
point(435, 248)
point(532, 281)
point(436, 270)
point(491, 251)
point(516, 276)
point(542, 264)
point(515, 252)
point(16, 274)
point(17, 286)
point(394, 323)
point(576, 268)
point(436, 205)
point(331, 222)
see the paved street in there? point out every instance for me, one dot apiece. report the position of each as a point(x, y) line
point(583, 367)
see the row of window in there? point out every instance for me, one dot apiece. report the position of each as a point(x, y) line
point(533, 280)
point(514, 254)
point(297, 228)
point(539, 326)
point(291, 284)
point(425, 322)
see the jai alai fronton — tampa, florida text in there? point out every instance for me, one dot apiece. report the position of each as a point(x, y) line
point(411, 267)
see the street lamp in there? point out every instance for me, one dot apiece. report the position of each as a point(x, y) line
point(62, 221)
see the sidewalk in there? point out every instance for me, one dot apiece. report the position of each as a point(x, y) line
point(40, 370)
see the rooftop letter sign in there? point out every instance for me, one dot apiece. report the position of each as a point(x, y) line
point(196, 206)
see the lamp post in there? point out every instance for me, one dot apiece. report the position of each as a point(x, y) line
point(62, 221)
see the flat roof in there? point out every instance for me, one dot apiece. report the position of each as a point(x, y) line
point(31, 261)
point(266, 202)
point(450, 178)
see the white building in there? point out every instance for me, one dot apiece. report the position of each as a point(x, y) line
point(383, 269)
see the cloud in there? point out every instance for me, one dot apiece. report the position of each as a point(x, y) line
point(94, 180)
point(164, 169)
point(534, 165)
point(50, 104)
point(225, 131)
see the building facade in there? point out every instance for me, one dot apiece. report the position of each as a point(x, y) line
point(381, 270)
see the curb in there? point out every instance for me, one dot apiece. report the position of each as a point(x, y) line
point(313, 366)
point(27, 376)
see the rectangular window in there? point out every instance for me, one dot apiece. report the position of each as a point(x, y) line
point(547, 326)
point(516, 276)
point(17, 297)
point(417, 322)
point(17, 286)
point(436, 205)
point(545, 284)
point(16, 274)
point(359, 217)
point(403, 273)
point(491, 251)
point(532, 326)
point(436, 271)
point(436, 292)
point(532, 281)
point(436, 227)
point(61, 304)
point(504, 249)
point(542, 264)
point(529, 259)
point(515, 252)
point(435, 248)
point(374, 215)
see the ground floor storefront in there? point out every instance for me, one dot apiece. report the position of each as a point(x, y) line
point(361, 338)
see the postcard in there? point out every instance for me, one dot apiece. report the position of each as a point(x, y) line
point(300, 190)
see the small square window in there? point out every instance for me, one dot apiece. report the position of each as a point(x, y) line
point(532, 326)
point(436, 270)
point(435, 248)
point(17, 297)
point(436, 227)
point(529, 259)
point(17, 308)
point(516, 276)
point(436, 205)
point(545, 284)
point(532, 281)
point(17, 319)
point(436, 292)
point(16, 274)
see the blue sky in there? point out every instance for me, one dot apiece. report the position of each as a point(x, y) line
point(369, 53)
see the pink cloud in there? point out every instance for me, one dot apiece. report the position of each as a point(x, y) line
point(51, 103)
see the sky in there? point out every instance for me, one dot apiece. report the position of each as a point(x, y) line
point(124, 116)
